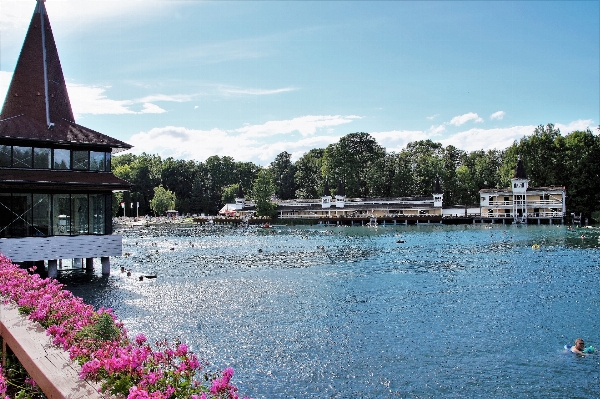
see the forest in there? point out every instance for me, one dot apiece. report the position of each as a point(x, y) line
point(367, 170)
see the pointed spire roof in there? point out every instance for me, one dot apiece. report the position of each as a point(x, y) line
point(37, 105)
point(240, 192)
point(520, 170)
point(326, 190)
point(438, 189)
point(340, 189)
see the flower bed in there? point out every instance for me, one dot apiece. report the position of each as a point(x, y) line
point(99, 343)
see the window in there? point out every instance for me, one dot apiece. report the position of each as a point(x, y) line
point(97, 160)
point(81, 160)
point(41, 158)
point(62, 159)
point(41, 215)
point(61, 211)
point(5, 214)
point(22, 157)
point(107, 162)
point(5, 156)
point(79, 214)
point(21, 214)
point(97, 213)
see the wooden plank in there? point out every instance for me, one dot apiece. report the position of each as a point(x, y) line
point(48, 365)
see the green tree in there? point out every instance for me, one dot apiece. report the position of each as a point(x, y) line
point(283, 171)
point(178, 176)
point(229, 193)
point(143, 172)
point(308, 175)
point(403, 184)
point(542, 157)
point(380, 176)
point(349, 161)
point(426, 164)
point(262, 192)
point(163, 200)
point(581, 158)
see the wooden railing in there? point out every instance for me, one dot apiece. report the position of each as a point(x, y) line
point(49, 366)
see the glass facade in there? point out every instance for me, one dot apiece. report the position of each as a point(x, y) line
point(62, 159)
point(42, 158)
point(81, 160)
point(5, 156)
point(22, 157)
point(97, 213)
point(53, 158)
point(98, 160)
point(40, 215)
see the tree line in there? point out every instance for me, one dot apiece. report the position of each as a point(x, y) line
point(366, 169)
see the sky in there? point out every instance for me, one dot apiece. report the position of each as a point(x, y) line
point(250, 79)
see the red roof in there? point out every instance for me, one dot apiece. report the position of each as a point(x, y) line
point(37, 105)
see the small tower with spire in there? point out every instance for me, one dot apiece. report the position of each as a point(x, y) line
point(438, 196)
point(519, 186)
point(326, 198)
point(340, 195)
point(240, 200)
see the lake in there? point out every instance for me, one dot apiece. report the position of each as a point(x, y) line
point(426, 311)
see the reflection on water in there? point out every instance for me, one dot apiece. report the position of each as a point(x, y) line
point(412, 311)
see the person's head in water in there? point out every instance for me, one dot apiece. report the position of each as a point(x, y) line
point(578, 347)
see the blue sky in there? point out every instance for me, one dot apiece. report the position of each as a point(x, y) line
point(191, 79)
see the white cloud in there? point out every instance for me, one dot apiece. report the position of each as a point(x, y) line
point(150, 108)
point(177, 98)
point(182, 143)
point(93, 100)
point(432, 117)
point(255, 143)
point(254, 92)
point(5, 78)
point(305, 125)
point(498, 115)
point(580, 124)
point(462, 119)
point(16, 14)
point(487, 139)
point(396, 140)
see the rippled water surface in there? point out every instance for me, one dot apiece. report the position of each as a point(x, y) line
point(394, 312)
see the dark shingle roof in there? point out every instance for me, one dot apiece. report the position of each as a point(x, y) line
point(520, 170)
point(326, 190)
point(37, 105)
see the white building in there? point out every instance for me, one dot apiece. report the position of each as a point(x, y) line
point(523, 204)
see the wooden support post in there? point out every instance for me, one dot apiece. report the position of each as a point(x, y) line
point(105, 265)
point(89, 264)
point(52, 268)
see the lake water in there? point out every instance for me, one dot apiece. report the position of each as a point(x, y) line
point(316, 312)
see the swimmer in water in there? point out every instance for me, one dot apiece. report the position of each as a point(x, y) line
point(578, 347)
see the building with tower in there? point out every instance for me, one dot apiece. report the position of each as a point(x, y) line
point(56, 182)
point(523, 204)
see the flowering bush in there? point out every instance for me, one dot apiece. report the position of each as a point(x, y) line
point(3, 385)
point(101, 346)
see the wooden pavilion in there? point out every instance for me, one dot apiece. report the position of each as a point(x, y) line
point(56, 182)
